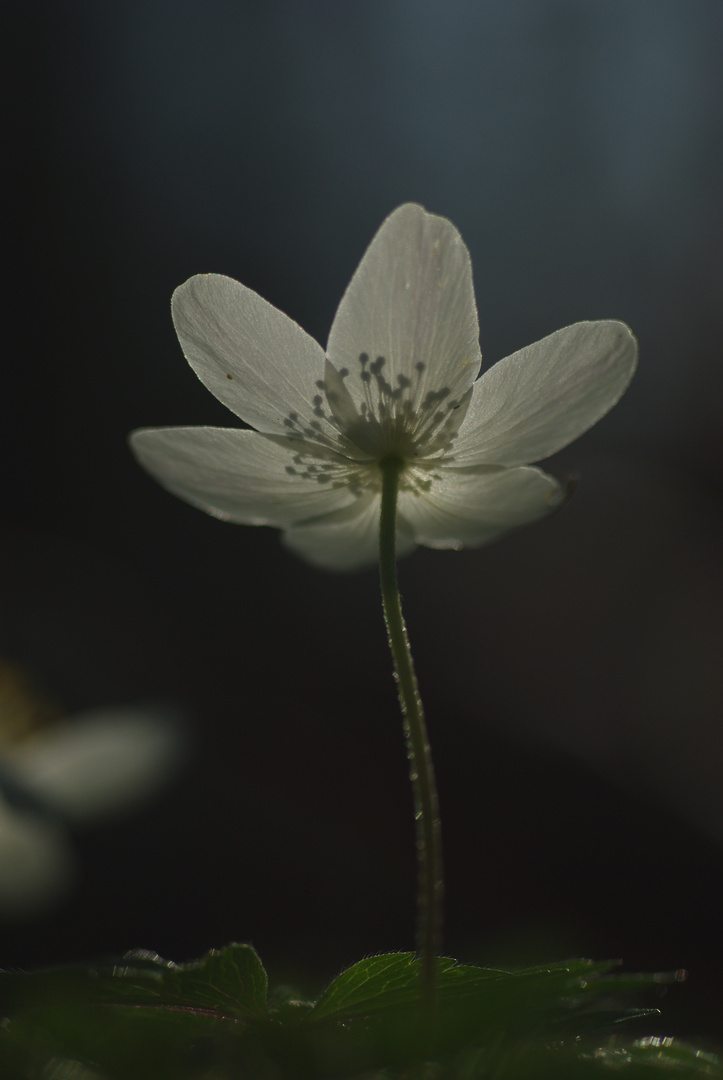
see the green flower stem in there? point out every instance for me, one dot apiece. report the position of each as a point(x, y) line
point(421, 769)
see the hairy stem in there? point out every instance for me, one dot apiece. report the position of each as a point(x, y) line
point(421, 769)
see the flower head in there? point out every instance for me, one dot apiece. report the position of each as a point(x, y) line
point(56, 773)
point(399, 379)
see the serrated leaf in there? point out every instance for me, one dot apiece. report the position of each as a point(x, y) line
point(645, 1057)
point(230, 981)
point(227, 982)
point(385, 981)
point(147, 1019)
point(391, 981)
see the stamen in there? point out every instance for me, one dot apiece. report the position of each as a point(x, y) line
point(405, 421)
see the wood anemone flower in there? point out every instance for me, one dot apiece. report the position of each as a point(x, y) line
point(399, 380)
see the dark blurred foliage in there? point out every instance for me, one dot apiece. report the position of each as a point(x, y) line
point(572, 671)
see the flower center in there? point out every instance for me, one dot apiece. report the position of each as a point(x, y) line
point(375, 418)
point(361, 420)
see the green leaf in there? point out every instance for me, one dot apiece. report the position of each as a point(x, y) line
point(228, 982)
point(118, 1043)
point(668, 1053)
point(391, 981)
point(644, 1059)
point(147, 1019)
point(377, 982)
point(482, 1008)
point(143, 1018)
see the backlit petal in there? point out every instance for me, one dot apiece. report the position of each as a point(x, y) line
point(241, 476)
point(538, 400)
point(348, 540)
point(399, 380)
point(410, 302)
point(251, 356)
point(470, 507)
point(99, 762)
point(37, 867)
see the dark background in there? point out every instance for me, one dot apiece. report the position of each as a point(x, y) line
point(571, 672)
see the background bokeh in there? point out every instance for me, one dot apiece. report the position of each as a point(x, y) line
point(571, 672)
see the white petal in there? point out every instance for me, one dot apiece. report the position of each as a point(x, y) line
point(539, 399)
point(37, 867)
point(470, 507)
point(242, 476)
point(411, 301)
point(99, 762)
point(347, 540)
point(251, 356)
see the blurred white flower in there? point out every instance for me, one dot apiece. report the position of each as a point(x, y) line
point(399, 379)
point(68, 772)
point(37, 861)
point(97, 763)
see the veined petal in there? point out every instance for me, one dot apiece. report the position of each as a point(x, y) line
point(251, 356)
point(242, 476)
point(470, 507)
point(406, 329)
point(347, 540)
point(538, 400)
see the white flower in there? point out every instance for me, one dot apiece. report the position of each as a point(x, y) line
point(37, 863)
point(69, 773)
point(399, 379)
point(97, 763)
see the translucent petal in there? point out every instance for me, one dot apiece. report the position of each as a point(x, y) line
point(541, 398)
point(410, 302)
point(348, 540)
point(469, 507)
point(243, 476)
point(37, 866)
point(100, 761)
point(251, 356)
